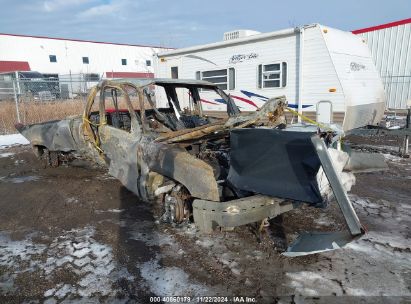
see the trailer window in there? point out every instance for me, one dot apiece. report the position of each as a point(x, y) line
point(272, 75)
point(284, 74)
point(231, 78)
point(224, 79)
point(174, 72)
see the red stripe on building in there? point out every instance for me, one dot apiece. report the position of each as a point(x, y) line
point(12, 66)
point(129, 75)
point(382, 26)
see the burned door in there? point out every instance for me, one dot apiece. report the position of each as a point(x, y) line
point(119, 133)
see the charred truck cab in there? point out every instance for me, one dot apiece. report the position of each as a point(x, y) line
point(219, 172)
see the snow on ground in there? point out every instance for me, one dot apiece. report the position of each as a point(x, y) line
point(164, 281)
point(323, 220)
point(19, 180)
point(139, 232)
point(21, 250)
point(392, 158)
point(110, 210)
point(382, 256)
point(93, 265)
point(11, 140)
point(375, 256)
point(386, 268)
point(76, 250)
point(310, 283)
point(6, 154)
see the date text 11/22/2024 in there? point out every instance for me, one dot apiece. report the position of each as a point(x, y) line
point(202, 299)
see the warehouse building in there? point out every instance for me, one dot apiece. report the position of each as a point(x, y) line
point(390, 46)
point(60, 58)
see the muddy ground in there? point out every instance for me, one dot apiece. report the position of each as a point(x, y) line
point(74, 234)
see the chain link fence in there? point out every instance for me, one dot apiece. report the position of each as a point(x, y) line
point(35, 100)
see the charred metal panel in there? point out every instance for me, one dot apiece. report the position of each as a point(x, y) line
point(54, 135)
point(210, 215)
point(120, 150)
point(174, 162)
point(366, 162)
point(339, 192)
point(276, 163)
point(315, 242)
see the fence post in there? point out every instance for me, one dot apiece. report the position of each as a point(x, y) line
point(408, 126)
point(71, 95)
point(16, 99)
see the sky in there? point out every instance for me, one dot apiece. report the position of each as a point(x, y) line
point(181, 23)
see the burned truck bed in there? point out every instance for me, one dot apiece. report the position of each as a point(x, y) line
point(217, 172)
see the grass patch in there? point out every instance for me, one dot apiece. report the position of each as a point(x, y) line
point(35, 112)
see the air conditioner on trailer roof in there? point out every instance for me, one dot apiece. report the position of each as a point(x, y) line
point(239, 34)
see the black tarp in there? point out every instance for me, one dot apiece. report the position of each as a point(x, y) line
point(276, 163)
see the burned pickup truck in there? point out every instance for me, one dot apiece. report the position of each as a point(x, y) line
point(219, 172)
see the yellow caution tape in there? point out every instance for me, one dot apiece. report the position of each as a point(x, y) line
point(93, 123)
point(96, 143)
point(308, 119)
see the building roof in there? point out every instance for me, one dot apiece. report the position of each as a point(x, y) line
point(80, 40)
point(11, 66)
point(382, 26)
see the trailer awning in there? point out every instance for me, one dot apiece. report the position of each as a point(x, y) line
point(12, 66)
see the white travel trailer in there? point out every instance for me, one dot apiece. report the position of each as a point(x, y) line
point(325, 73)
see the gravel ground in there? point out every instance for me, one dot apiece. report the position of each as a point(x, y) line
point(74, 234)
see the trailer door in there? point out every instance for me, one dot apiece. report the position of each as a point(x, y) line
point(324, 111)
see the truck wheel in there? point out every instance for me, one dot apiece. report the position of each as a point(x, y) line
point(177, 205)
point(177, 211)
point(54, 159)
point(174, 209)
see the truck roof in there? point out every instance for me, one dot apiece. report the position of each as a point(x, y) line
point(168, 81)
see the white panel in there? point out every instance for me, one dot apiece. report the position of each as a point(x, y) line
point(391, 52)
point(103, 57)
point(319, 73)
point(355, 68)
